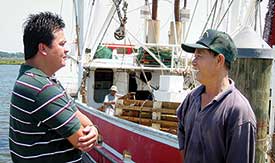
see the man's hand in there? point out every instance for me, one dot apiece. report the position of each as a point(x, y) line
point(89, 138)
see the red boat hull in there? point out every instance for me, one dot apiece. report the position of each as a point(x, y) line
point(143, 148)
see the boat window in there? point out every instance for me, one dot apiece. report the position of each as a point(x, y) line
point(103, 82)
point(148, 76)
point(132, 82)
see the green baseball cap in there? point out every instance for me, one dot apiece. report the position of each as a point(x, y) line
point(217, 41)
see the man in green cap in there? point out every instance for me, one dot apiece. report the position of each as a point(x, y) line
point(216, 122)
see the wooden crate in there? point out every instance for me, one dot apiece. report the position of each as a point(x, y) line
point(156, 114)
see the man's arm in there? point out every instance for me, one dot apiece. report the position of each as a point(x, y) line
point(181, 137)
point(85, 138)
point(181, 132)
point(241, 144)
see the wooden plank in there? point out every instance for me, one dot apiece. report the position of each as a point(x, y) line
point(169, 130)
point(168, 117)
point(137, 114)
point(166, 123)
point(149, 121)
point(143, 121)
point(170, 105)
point(148, 103)
point(146, 109)
point(145, 103)
point(133, 113)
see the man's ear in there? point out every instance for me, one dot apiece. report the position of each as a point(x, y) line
point(220, 59)
point(42, 48)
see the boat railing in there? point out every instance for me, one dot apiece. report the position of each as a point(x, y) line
point(167, 57)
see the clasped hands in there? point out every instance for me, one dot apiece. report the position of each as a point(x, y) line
point(89, 138)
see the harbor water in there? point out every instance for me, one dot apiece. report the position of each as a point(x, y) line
point(8, 74)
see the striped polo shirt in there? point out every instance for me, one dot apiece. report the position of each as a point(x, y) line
point(42, 116)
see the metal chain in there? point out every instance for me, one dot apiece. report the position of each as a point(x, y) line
point(117, 3)
point(119, 34)
point(124, 9)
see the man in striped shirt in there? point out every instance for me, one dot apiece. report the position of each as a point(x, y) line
point(45, 125)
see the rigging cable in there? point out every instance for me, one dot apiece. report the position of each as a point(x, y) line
point(219, 12)
point(214, 14)
point(224, 14)
point(89, 26)
point(209, 17)
point(142, 71)
point(191, 21)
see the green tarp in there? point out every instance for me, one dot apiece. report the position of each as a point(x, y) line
point(103, 52)
point(163, 54)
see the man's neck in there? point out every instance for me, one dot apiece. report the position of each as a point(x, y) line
point(214, 88)
point(39, 65)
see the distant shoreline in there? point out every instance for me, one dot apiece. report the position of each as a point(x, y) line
point(11, 62)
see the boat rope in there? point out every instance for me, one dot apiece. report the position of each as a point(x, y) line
point(206, 23)
point(82, 87)
point(219, 12)
point(214, 14)
point(119, 34)
point(142, 71)
point(77, 30)
point(191, 21)
point(225, 14)
point(140, 110)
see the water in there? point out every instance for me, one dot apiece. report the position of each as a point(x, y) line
point(8, 74)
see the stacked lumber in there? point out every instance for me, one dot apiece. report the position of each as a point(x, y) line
point(156, 114)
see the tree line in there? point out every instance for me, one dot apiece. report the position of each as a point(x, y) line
point(15, 55)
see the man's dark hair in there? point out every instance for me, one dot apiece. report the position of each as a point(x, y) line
point(39, 28)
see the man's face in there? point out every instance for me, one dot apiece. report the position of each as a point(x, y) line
point(113, 93)
point(57, 51)
point(205, 65)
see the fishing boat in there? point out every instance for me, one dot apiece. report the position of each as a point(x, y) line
point(135, 45)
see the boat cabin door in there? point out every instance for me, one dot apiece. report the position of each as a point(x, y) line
point(103, 80)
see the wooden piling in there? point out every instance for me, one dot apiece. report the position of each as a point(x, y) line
point(252, 75)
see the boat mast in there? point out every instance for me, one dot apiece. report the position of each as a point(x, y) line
point(155, 10)
point(177, 10)
point(154, 24)
point(79, 55)
point(77, 29)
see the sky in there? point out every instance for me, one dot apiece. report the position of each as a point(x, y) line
point(13, 13)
